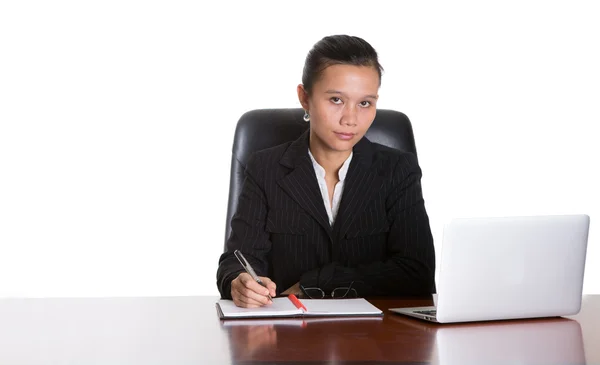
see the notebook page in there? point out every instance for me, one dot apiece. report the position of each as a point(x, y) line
point(281, 307)
point(340, 307)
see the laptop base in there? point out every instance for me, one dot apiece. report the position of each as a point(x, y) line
point(424, 313)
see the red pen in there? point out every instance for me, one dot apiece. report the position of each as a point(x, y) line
point(297, 302)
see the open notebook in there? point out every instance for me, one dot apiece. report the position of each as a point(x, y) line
point(285, 307)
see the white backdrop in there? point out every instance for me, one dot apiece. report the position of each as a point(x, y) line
point(117, 120)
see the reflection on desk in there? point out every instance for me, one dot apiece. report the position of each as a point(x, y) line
point(541, 342)
point(538, 341)
point(187, 330)
point(302, 339)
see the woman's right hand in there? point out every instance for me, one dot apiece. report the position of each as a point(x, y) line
point(247, 293)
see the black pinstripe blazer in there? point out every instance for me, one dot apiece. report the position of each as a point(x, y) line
point(380, 240)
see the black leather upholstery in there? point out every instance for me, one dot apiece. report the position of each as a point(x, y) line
point(264, 128)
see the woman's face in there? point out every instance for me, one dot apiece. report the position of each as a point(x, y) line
point(341, 106)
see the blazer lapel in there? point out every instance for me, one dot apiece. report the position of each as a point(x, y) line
point(301, 183)
point(361, 185)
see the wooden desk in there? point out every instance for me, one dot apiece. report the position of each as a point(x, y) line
point(186, 330)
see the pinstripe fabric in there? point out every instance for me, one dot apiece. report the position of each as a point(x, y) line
point(380, 240)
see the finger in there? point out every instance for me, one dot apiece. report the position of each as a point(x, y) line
point(239, 296)
point(248, 295)
point(270, 285)
point(253, 285)
point(243, 277)
point(244, 280)
point(244, 301)
point(251, 294)
point(246, 286)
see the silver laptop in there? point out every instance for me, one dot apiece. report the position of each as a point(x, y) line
point(509, 268)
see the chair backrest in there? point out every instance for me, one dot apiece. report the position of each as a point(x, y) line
point(264, 128)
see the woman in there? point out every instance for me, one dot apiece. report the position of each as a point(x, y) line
point(331, 210)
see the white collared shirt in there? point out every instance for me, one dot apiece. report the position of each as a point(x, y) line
point(338, 189)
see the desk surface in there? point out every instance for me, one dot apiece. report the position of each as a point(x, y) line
point(186, 330)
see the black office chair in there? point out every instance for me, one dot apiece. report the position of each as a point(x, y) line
point(264, 128)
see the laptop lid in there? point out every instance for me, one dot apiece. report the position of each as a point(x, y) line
point(512, 267)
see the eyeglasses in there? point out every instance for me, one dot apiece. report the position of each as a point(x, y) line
point(337, 293)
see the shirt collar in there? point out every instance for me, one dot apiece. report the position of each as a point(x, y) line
point(321, 171)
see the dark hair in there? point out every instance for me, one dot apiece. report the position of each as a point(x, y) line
point(338, 50)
